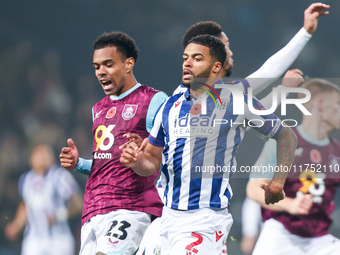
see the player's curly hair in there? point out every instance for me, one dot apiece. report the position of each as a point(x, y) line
point(202, 28)
point(124, 43)
point(216, 46)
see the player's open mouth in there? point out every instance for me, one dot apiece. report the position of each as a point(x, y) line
point(187, 74)
point(106, 83)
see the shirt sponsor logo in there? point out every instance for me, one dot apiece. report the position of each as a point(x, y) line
point(129, 111)
point(202, 126)
point(102, 155)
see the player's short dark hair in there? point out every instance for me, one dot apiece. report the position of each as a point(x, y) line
point(124, 43)
point(216, 46)
point(202, 28)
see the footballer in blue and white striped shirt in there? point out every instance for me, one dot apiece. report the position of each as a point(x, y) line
point(195, 138)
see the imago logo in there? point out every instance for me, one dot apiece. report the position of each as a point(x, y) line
point(238, 100)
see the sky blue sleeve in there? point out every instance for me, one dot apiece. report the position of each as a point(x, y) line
point(156, 101)
point(84, 166)
point(267, 161)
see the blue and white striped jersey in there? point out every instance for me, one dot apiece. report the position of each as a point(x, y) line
point(200, 146)
point(44, 196)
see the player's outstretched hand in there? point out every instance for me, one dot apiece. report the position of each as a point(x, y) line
point(131, 153)
point(132, 138)
point(312, 13)
point(301, 204)
point(292, 78)
point(69, 156)
point(273, 192)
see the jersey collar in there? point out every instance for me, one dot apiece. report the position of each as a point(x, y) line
point(305, 136)
point(126, 92)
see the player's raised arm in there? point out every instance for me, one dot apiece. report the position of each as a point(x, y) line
point(278, 63)
point(286, 145)
point(144, 160)
point(312, 14)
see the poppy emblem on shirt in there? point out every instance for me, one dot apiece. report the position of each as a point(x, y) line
point(129, 111)
point(315, 156)
point(196, 109)
point(177, 103)
point(111, 113)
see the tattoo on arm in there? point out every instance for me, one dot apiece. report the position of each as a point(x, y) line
point(286, 144)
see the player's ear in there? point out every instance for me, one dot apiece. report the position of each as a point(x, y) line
point(319, 103)
point(216, 67)
point(129, 63)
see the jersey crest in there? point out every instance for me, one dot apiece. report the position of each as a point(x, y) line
point(129, 111)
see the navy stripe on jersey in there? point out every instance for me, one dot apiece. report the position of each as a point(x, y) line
point(178, 175)
point(215, 201)
point(166, 174)
point(196, 177)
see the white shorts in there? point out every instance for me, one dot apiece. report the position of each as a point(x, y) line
point(275, 239)
point(194, 232)
point(151, 242)
point(114, 233)
point(56, 245)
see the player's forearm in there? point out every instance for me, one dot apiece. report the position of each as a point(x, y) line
point(146, 165)
point(20, 219)
point(277, 64)
point(286, 145)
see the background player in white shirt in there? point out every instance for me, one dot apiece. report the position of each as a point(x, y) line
point(50, 196)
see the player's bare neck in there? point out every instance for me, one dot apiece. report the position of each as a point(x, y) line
point(129, 84)
point(316, 131)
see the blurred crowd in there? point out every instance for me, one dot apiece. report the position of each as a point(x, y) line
point(36, 106)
